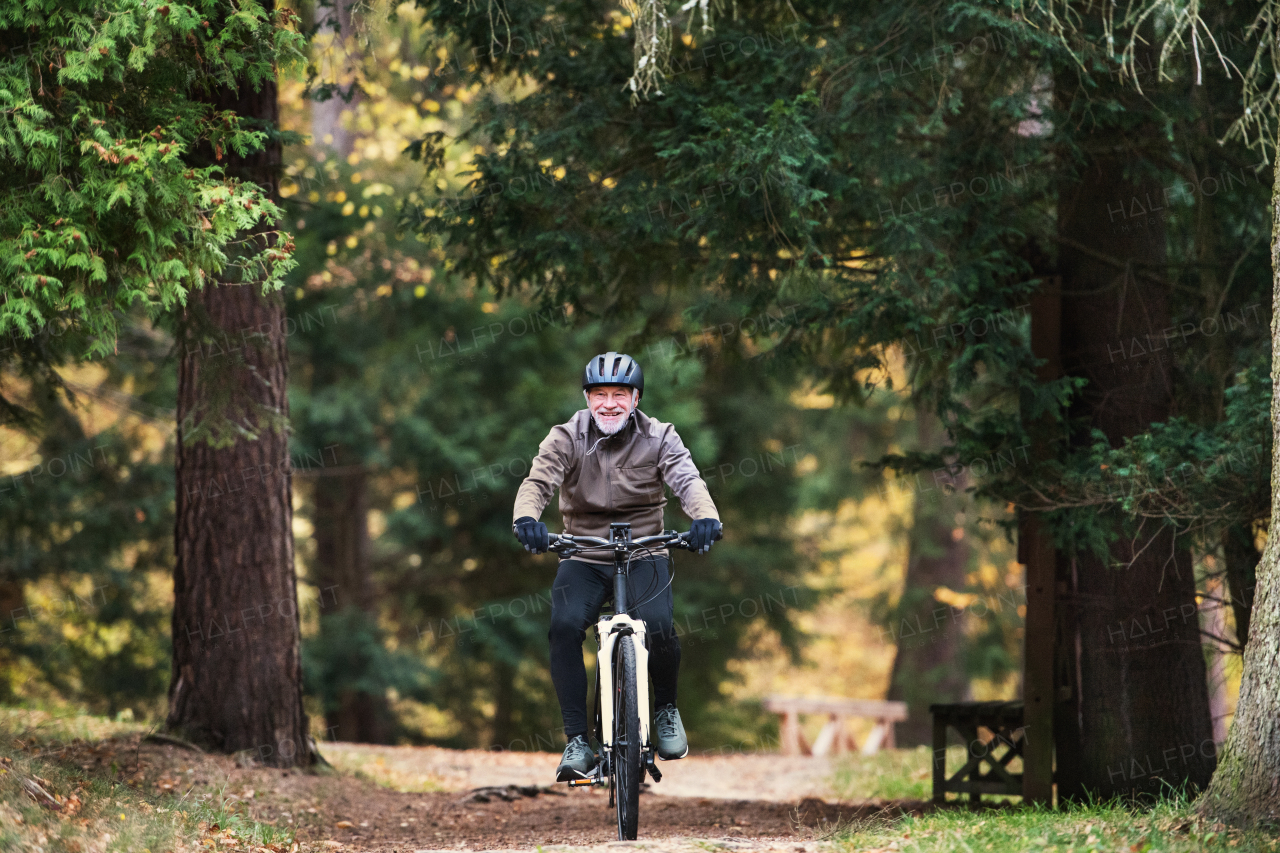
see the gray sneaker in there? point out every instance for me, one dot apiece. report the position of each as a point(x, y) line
point(578, 761)
point(672, 742)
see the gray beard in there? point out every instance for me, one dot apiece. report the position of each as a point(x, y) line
point(610, 430)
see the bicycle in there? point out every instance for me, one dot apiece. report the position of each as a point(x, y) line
point(622, 672)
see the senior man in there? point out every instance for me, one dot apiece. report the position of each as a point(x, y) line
point(610, 462)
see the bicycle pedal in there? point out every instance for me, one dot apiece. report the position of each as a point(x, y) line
point(596, 778)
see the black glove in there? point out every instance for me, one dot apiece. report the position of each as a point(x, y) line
point(533, 535)
point(703, 532)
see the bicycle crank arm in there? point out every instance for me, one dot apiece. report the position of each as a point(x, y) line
point(651, 766)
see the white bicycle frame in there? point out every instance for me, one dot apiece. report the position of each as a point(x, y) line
point(608, 637)
point(604, 666)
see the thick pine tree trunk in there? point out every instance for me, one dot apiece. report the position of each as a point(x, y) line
point(1246, 788)
point(237, 673)
point(928, 665)
point(1136, 710)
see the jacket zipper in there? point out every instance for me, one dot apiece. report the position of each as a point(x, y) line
point(608, 464)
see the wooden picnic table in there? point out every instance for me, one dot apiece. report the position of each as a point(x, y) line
point(834, 737)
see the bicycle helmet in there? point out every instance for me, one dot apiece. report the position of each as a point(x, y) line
point(613, 368)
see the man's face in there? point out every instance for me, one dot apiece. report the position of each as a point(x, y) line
point(610, 405)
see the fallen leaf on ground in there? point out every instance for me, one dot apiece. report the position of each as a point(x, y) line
point(71, 805)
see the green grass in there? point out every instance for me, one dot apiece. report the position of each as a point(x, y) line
point(891, 774)
point(1169, 826)
point(229, 816)
point(111, 817)
point(52, 729)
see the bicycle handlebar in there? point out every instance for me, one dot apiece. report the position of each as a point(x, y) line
point(565, 543)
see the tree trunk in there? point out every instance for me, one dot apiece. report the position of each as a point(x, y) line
point(327, 132)
point(928, 666)
point(342, 570)
point(1217, 369)
point(341, 500)
point(1136, 711)
point(237, 672)
point(342, 537)
point(1036, 551)
point(504, 696)
point(1246, 788)
point(1241, 558)
point(1213, 611)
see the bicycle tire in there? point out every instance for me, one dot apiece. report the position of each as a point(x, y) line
point(626, 738)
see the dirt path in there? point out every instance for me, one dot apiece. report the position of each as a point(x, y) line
point(755, 802)
point(757, 776)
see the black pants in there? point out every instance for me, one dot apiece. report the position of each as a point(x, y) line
point(579, 591)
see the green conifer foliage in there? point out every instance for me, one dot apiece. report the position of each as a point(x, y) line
point(100, 207)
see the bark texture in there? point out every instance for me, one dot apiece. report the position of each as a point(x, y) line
point(928, 665)
point(1246, 789)
point(1135, 712)
point(237, 671)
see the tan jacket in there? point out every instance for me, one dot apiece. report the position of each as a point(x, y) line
point(621, 480)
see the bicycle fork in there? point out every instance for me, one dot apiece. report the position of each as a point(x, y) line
point(611, 629)
point(608, 630)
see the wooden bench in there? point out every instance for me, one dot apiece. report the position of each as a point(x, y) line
point(984, 727)
point(834, 737)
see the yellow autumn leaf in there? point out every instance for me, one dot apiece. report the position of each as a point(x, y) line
point(958, 600)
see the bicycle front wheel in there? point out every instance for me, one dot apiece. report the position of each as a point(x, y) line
point(626, 737)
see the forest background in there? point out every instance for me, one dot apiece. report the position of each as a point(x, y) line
point(908, 215)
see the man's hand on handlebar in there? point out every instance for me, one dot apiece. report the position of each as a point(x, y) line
point(533, 535)
point(703, 532)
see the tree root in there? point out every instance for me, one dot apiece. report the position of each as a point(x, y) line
point(509, 793)
point(157, 737)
